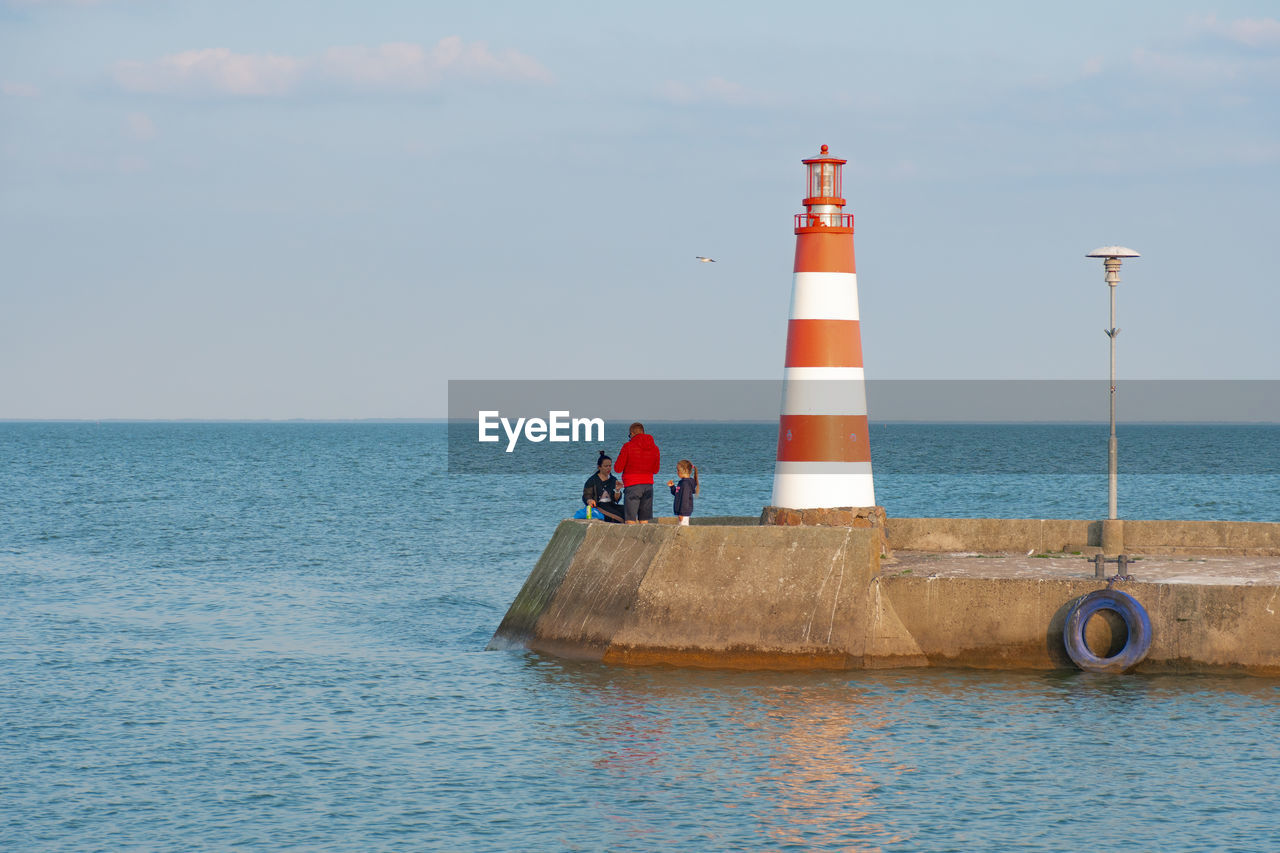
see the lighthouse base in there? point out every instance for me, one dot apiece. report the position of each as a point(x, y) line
point(841, 516)
point(838, 516)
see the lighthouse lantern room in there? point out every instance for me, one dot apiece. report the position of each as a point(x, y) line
point(824, 205)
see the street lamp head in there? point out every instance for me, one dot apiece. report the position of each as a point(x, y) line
point(1113, 252)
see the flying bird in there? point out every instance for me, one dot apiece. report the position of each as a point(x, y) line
point(706, 260)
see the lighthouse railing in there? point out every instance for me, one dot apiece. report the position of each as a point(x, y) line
point(824, 220)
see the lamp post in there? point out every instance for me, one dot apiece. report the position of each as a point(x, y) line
point(1112, 256)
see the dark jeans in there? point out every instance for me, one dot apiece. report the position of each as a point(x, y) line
point(639, 502)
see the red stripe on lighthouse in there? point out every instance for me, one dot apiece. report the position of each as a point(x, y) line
point(824, 252)
point(824, 343)
point(823, 438)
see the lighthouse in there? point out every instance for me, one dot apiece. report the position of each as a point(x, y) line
point(824, 456)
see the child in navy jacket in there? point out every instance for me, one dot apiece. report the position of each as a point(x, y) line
point(685, 489)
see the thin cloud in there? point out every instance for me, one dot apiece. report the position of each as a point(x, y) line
point(395, 66)
point(1250, 32)
point(211, 71)
point(22, 3)
point(713, 90)
point(57, 4)
point(404, 65)
point(1184, 67)
point(1244, 52)
point(1203, 71)
point(140, 126)
point(18, 90)
point(131, 164)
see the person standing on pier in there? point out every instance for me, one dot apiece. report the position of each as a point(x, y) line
point(637, 462)
point(684, 490)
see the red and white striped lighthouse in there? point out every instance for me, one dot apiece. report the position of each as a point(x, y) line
point(824, 456)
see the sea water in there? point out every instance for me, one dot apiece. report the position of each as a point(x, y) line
point(272, 637)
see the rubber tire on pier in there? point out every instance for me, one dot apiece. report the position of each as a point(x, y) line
point(1136, 622)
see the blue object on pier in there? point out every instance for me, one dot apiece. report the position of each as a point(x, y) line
point(1136, 622)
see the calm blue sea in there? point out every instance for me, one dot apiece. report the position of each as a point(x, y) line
point(271, 637)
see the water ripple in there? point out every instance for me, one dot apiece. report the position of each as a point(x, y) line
point(271, 637)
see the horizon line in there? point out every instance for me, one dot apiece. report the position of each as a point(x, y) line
point(690, 421)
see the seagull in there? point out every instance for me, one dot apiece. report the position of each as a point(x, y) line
point(706, 260)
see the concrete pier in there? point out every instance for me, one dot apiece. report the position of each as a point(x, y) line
point(956, 592)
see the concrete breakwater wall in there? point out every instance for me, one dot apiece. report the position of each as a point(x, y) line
point(743, 595)
point(1243, 538)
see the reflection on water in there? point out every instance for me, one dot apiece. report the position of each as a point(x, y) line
point(915, 759)
point(824, 773)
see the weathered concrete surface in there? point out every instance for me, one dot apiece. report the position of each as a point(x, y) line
point(1206, 570)
point(840, 516)
point(582, 589)
point(717, 595)
point(993, 534)
point(1113, 536)
point(1209, 613)
point(738, 595)
point(1139, 537)
point(1202, 537)
point(1016, 623)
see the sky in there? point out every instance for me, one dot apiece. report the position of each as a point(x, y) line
point(235, 210)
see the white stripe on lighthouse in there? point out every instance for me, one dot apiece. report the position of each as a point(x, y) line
point(809, 374)
point(809, 485)
point(824, 296)
point(842, 469)
point(824, 391)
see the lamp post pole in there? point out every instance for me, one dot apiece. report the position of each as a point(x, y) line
point(1112, 256)
point(1112, 266)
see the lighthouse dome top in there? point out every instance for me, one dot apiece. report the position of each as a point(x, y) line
point(1113, 252)
point(824, 156)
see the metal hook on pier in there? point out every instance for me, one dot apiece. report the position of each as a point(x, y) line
point(1122, 567)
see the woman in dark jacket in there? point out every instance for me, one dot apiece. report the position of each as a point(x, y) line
point(601, 490)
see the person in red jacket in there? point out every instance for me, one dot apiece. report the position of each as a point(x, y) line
point(637, 462)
